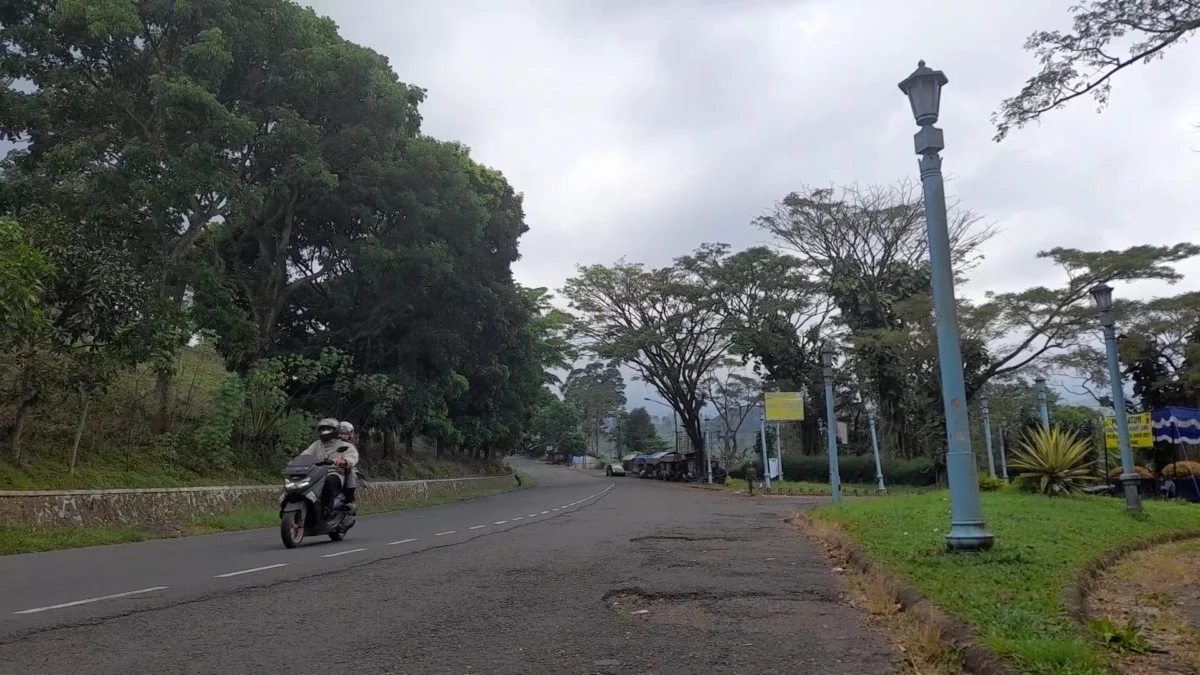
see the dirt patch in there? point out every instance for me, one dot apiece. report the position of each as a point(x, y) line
point(1156, 591)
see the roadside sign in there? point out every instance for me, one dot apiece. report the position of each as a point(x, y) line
point(784, 406)
point(1141, 433)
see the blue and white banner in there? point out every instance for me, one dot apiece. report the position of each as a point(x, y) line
point(1176, 425)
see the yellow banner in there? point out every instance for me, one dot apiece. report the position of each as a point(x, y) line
point(1141, 434)
point(784, 406)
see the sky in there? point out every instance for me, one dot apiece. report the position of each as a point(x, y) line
point(640, 129)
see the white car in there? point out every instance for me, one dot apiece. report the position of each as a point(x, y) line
point(614, 470)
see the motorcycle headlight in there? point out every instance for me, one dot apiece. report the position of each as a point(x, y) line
point(298, 485)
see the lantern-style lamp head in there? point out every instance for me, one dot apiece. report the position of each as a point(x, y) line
point(924, 91)
point(983, 403)
point(827, 358)
point(1102, 294)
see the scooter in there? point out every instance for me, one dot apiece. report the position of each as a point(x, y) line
point(312, 503)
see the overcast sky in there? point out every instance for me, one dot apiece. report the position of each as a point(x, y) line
point(643, 128)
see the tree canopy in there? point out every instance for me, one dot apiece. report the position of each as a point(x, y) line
point(238, 173)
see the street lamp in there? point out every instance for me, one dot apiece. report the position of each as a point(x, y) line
point(1103, 295)
point(967, 530)
point(875, 448)
point(987, 434)
point(835, 479)
point(1039, 382)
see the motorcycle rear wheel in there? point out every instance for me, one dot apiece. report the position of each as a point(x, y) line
point(291, 528)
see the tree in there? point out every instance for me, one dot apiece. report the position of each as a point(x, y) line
point(95, 309)
point(597, 391)
point(662, 322)
point(640, 433)
point(1024, 327)
point(1081, 62)
point(735, 395)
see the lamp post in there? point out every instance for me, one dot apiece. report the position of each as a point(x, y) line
point(835, 479)
point(1043, 409)
point(967, 530)
point(1103, 295)
point(762, 435)
point(1003, 462)
point(875, 448)
point(987, 434)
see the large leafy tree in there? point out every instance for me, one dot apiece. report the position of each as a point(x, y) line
point(597, 391)
point(1082, 62)
point(663, 322)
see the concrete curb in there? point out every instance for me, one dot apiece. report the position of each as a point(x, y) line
point(976, 658)
point(1075, 599)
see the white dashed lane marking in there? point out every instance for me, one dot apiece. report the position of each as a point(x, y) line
point(403, 541)
point(252, 569)
point(477, 527)
point(500, 522)
point(76, 603)
point(442, 534)
point(334, 555)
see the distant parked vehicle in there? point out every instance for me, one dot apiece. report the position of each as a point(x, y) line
point(614, 470)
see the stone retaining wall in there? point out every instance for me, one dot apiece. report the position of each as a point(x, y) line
point(173, 506)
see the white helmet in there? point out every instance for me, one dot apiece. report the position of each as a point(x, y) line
point(346, 430)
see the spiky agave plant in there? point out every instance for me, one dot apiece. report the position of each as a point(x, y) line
point(1052, 461)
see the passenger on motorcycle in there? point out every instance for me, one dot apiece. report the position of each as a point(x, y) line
point(342, 453)
point(346, 431)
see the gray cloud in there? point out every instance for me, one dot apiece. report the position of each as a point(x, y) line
point(642, 129)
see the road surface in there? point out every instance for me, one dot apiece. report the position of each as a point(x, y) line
point(581, 574)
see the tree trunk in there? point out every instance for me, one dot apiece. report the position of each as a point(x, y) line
point(162, 391)
point(387, 443)
point(18, 428)
point(87, 400)
point(437, 446)
point(409, 451)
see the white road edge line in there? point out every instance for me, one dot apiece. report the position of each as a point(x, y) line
point(334, 555)
point(500, 522)
point(252, 569)
point(114, 596)
point(442, 534)
point(477, 527)
point(403, 541)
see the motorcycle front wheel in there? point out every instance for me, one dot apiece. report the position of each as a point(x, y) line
point(291, 528)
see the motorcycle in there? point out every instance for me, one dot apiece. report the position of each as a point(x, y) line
point(312, 503)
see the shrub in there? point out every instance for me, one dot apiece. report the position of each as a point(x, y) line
point(1141, 471)
point(1052, 461)
point(1182, 470)
point(989, 483)
point(856, 469)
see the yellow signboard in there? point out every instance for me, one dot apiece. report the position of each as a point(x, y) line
point(784, 406)
point(1141, 434)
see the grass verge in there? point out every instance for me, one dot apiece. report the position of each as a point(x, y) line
point(16, 539)
point(1011, 596)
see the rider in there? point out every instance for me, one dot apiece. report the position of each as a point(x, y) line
point(343, 454)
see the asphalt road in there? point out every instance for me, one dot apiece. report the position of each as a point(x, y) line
point(579, 575)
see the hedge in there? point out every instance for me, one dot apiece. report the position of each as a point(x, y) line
point(859, 469)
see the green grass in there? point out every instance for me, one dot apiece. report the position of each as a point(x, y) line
point(28, 539)
point(802, 488)
point(1012, 595)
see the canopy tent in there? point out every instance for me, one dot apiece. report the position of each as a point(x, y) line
point(1180, 426)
